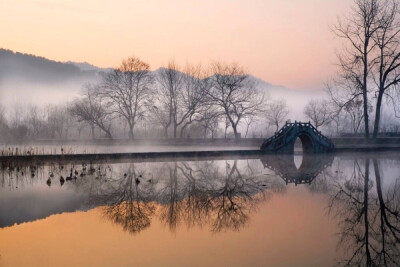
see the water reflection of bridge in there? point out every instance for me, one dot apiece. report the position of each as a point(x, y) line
point(285, 167)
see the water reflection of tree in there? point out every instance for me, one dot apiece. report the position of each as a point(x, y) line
point(218, 194)
point(207, 195)
point(235, 200)
point(190, 193)
point(369, 218)
point(127, 202)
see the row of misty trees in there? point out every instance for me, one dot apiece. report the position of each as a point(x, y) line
point(132, 101)
point(172, 99)
point(172, 102)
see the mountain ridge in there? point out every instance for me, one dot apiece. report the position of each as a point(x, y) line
point(36, 79)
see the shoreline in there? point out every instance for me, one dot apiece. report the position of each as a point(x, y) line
point(182, 155)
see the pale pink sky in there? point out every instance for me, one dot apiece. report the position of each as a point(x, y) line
point(286, 42)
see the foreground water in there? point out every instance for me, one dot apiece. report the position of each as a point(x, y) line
point(271, 211)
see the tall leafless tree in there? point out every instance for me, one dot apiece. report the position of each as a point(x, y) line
point(276, 113)
point(234, 93)
point(354, 110)
point(56, 121)
point(91, 109)
point(193, 104)
point(386, 72)
point(358, 30)
point(170, 83)
point(181, 96)
point(317, 112)
point(127, 89)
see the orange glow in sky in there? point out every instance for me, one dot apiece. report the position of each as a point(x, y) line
point(286, 42)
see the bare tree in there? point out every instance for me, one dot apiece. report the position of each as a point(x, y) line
point(354, 109)
point(181, 96)
point(317, 112)
point(226, 125)
point(355, 64)
point(170, 81)
point(234, 93)
point(249, 121)
point(126, 90)
point(193, 104)
point(3, 123)
point(91, 109)
point(209, 120)
point(56, 120)
point(159, 115)
point(277, 112)
point(36, 121)
point(387, 62)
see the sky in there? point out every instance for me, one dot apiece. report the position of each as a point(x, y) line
point(284, 42)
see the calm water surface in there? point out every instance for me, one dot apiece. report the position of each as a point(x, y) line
point(269, 211)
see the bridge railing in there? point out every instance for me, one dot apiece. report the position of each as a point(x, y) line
point(315, 130)
point(279, 133)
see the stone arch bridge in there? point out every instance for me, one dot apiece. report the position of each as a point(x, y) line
point(283, 140)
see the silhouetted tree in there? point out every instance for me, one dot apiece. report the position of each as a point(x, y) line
point(387, 62)
point(92, 110)
point(317, 111)
point(181, 97)
point(276, 113)
point(357, 30)
point(234, 93)
point(126, 90)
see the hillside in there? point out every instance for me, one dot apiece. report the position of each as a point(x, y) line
point(15, 65)
point(29, 79)
point(26, 79)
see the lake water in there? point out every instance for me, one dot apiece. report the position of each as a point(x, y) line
point(270, 211)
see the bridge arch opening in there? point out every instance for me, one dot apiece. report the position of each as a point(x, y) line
point(303, 144)
point(298, 160)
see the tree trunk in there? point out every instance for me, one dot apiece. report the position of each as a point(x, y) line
point(365, 90)
point(166, 132)
point(235, 131)
point(183, 128)
point(92, 130)
point(108, 134)
point(175, 130)
point(131, 136)
point(247, 130)
point(377, 115)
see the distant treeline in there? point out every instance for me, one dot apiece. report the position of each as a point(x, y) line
point(219, 101)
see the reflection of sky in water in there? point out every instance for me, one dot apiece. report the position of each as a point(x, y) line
point(213, 212)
